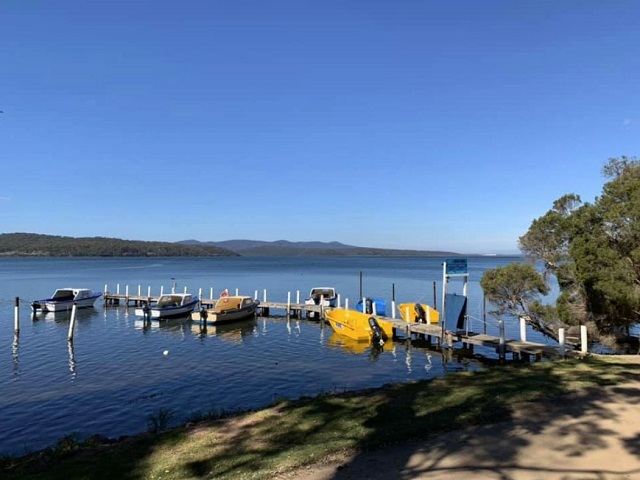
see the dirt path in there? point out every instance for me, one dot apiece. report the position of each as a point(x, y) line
point(592, 435)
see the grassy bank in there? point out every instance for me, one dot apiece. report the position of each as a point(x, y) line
point(292, 434)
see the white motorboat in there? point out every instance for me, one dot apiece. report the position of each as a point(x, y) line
point(170, 305)
point(323, 296)
point(64, 299)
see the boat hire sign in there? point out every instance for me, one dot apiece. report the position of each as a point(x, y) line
point(456, 266)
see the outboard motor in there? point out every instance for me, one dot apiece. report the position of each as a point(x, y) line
point(377, 335)
point(421, 315)
point(376, 331)
point(146, 310)
point(203, 314)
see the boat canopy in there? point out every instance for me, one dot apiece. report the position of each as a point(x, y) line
point(326, 292)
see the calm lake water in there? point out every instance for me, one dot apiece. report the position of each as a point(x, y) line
point(116, 373)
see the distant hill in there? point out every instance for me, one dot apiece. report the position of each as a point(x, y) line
point(284, 248)
point(32, 244)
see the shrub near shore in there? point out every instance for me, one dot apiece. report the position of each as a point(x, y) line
point(291, 434)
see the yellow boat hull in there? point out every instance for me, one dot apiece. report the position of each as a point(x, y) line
point(409, 313)
point(355, 325)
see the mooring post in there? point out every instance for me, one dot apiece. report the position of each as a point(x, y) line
point(117, 289)
point(393, 301)
point(139, 290)
point(161, 290)
point(126, 295)
point(255, 296)
point(211, 293)
point(523, 329)
point(583, 339)
point(237, 292)
point(346, 304)
point(264, 296)
point(298, 297)
point(146, 312)
point(484, 313)
point(434, 296)
point(502, 349)
point(16, 310)
point(72, 324)
point(561, 342)
point(338, 300)
point(288, 303)
point(185, 289)
point(149, 291)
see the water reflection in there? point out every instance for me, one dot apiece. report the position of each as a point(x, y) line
point(177, 326)
point(15, 350)
point(72, 361)
point(64, 316)
point(296, 327)
point(374, 349)
point(428, 366)
point(407, 358)
point(233, 333)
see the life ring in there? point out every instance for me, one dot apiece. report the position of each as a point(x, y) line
point(225, 293)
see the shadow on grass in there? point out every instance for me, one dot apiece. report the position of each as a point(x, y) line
point(364, 425)
point(503, 420)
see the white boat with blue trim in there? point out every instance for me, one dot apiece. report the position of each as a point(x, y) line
point(169, 305)
point(64, 299)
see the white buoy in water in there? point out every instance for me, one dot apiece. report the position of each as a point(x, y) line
point(166, 352)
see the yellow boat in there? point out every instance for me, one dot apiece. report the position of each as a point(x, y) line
point(419, 313)
point(359, 326)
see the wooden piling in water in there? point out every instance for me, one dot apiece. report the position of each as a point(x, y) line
point(16, 322)
point(72, 324)
point(523, 329)
point(502, 349)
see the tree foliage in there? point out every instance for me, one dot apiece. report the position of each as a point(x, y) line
point(593, 251)
point(515, 290)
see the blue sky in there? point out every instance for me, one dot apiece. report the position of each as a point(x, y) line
point(395, 124)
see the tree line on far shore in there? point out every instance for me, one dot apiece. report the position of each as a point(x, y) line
point(32, 244)
point(592, 250)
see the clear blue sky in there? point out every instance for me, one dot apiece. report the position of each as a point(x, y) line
point(398, 124)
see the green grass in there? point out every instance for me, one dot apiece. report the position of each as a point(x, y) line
point(292, 434)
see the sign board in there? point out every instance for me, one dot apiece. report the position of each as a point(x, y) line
point(456, 266)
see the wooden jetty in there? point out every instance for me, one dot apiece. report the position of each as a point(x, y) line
point(295, 309)
point(519, 348)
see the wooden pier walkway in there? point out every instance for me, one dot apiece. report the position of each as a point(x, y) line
point(516, 347)
point(293, 309)
point(297, 309)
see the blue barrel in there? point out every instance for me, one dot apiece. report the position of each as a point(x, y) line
point(381, 306)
